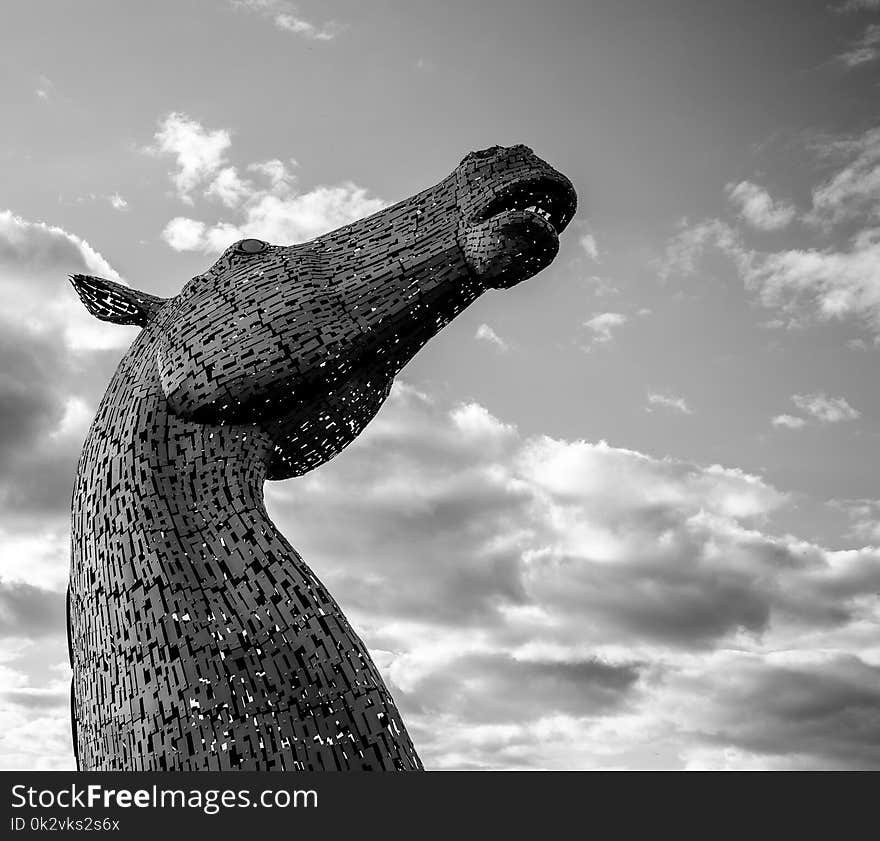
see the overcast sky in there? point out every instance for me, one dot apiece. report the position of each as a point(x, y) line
point(625, 515)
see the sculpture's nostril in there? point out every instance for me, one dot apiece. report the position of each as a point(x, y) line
point(251, 246)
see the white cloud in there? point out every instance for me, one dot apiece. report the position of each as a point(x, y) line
point(864, 50)
point(283, 219)
point(834, 282)
point(300, 217)
point(685, 248)
point(115, 200)
point(601, 287)
point(486, 334)
point(825, 409)
point(840, 281)
point(272, 208)
point(184, 234)
point(35, 259)
point(604, 324)
point(478, 424)
point(277, 173)
point(669, 401)
point(229, 187)
point(34, 717)
point(76, 419)
point(198, 152)
point(758, 208)
point(299, 26)
point(854, 190)
point(284, 16)
point(788, 421)
point(818, 406)
point(39, 742)
point(588, 243)
point(39, 558)
point(858, 6)
point(45, 88)
point(864, 516)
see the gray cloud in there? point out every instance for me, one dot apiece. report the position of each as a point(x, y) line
point(533, 602)
point(521, 593)
point(524, 592)
point(37, 698)
point(30, 612)
point(496, 688)
point(814, 710)
point(56, 362)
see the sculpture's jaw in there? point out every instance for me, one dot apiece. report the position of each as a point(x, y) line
point(513, 230)
point(548, 195)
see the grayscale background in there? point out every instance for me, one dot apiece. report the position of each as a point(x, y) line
point(625, 515)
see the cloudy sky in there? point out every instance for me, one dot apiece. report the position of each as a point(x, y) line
point(625, 515)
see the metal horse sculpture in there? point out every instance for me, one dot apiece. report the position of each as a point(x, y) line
point(199, 639)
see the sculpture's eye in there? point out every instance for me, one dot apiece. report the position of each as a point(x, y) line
point(251, 246)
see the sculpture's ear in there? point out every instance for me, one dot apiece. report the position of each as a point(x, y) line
point(114, 302)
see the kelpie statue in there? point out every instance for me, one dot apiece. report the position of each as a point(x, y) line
point(199, 639)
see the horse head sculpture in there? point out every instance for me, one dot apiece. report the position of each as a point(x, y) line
point(199, 639)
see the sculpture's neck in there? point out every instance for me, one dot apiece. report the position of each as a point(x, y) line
point(180, 490)
point(199, 638)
